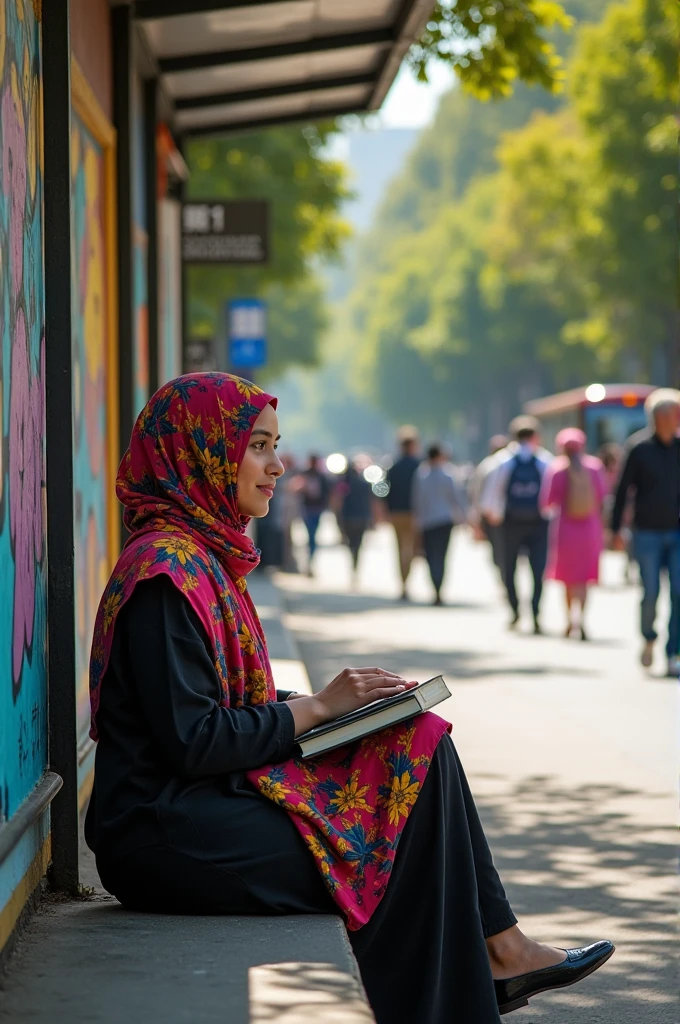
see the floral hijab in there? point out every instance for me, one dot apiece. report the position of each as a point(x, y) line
point(177, 482)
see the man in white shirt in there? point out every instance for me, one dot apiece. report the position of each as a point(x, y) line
point(510, 498)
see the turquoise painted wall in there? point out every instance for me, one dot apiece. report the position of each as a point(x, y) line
point(23, 624)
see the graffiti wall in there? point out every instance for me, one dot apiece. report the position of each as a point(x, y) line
point(23, 625)
point(169, 290)
point(90, 346)
point(140, 242)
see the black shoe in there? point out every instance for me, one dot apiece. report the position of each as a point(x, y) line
point(514, 620)
point(537, 628)
point(512, 993)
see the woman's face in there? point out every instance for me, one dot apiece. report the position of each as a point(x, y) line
point(261, 466)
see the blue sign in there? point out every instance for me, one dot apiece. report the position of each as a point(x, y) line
point(247, 328)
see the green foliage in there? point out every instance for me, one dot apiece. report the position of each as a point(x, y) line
point(305, 190)
point(530, 245)
point(588, 209)
point(493, 43)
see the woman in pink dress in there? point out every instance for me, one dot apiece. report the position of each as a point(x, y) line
point(574, 488)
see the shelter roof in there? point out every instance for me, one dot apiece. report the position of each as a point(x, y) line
point(237, 64)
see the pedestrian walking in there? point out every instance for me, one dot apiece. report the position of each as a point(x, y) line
point(652, 470)
point(354, 498)
point(611, 455)
point(511, 500)
point(574, 488)
point(315, 496)
point(484, 528)
point(201, 803)
point(400, 500)
point(289, 490)
point(439, 504)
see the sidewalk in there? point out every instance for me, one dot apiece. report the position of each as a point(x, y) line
point(91, 962)
point(570, 747)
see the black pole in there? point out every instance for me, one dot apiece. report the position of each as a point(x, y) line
point(150, 163)
point(121, 30)
point(61, 633)
point(184, 271)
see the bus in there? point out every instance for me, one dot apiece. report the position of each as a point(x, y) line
point(606, 413)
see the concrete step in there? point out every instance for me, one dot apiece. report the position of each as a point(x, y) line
point(92, 962)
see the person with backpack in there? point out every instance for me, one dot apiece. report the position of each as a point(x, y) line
point(574, 489)
point(511, 499)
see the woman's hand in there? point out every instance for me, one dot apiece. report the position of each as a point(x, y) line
point(352, 689)
point(355, 687)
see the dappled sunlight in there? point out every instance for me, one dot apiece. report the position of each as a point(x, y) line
point(568, 747)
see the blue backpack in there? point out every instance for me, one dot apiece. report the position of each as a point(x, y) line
point(524, 486)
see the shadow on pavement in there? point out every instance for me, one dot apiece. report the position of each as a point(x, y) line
point(325, 656)
point(578, 860)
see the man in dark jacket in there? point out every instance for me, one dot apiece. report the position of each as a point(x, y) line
point(315, 496)
point(652, 468)
point(400, 502)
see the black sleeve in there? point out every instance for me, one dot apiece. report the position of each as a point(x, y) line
point(626, 480)
point(179, 690)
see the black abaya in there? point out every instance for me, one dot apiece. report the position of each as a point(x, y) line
point(176, 827)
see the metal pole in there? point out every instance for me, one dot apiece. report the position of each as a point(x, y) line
point(184, 274)
point(150, 161)
point(121, 30)
point(61, 632)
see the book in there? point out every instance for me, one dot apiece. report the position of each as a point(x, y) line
point(373, 717)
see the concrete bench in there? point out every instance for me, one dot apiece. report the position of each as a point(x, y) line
point(92, 961)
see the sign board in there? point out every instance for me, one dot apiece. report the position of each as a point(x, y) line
point(247, 326)
point(225, 231)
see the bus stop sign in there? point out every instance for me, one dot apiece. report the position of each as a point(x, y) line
point(247, 325)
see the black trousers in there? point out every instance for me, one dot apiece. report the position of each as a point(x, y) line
point(354, 530)
point(494, 534)
point(436, 544)
point(531, 537)
point(422, 956)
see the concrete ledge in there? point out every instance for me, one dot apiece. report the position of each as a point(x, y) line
point(95, 962)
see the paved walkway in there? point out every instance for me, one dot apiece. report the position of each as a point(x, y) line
point(570, 747)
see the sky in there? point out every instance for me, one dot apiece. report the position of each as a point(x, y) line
point(409, 104)
point(412, 104)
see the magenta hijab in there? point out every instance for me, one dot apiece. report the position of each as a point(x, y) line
point(178, 483)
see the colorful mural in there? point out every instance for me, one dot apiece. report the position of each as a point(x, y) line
point(169, 290)
point(90, 345)
point(23, 624)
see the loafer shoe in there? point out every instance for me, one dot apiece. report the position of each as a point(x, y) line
point(512, 993)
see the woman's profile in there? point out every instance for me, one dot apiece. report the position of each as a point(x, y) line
point(200, 803)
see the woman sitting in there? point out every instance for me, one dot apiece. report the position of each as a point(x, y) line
point(200, 802)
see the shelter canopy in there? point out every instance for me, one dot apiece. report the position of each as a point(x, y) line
point(237, 64)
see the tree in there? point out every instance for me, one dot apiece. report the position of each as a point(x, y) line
point(585, 207)
point(491, 44)
point(305, 190)
point(625, 93)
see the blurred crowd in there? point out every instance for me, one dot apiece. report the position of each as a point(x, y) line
point(558, 510)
